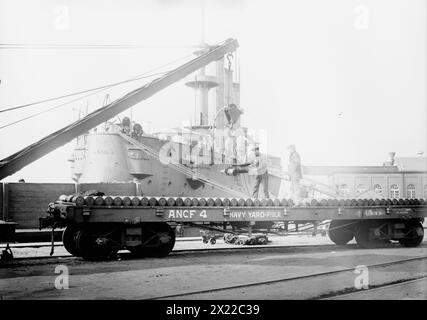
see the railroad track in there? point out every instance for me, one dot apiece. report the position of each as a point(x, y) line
point(304, 277)
point(348, 294)
point(128, 255)
point(125, 255)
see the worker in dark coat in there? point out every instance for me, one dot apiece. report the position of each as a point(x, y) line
point(137, 132)
point(258, 168)
point(126, 125)
point(294, 171)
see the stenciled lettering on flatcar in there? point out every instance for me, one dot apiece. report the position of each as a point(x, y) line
point(186, 214)
point(371, 213)
point(255, 214)
point(180, 214)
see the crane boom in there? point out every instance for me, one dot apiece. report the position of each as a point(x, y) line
point(20, 159)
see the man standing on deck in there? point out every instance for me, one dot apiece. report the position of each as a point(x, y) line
point(258, 168)
point(255, 165)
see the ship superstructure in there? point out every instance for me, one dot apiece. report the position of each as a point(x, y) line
point(182, 162)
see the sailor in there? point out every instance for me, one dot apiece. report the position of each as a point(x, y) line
point(126, 125)
point(137, 132)
point(294, 171)
point(258, 168)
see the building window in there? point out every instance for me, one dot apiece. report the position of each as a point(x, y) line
point(394, 191)
point(361, 188)
point(410, 191)
point(344, 189)
point(378, 188)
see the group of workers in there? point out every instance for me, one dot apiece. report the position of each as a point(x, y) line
point(256, 164)
point(136, 129)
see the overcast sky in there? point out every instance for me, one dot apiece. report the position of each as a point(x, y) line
point(343, 80)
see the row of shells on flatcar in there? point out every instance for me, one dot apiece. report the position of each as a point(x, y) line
point(146, 201)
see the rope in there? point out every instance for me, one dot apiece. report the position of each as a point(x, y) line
point(78, 93)
point(138, 77)
point(47, 110)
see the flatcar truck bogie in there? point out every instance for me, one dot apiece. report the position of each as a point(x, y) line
point(374, 233)
point(97, 241)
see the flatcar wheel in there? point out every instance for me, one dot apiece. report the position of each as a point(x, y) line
point(90, 247)
point(158, 240)
point(414, 234)
point(341, 231)
point(365, 237)
point(68, 241)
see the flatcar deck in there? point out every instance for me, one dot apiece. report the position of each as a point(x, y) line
point(167, 210)
point(100, 226)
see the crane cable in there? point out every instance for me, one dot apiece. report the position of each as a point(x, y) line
point(68, 102)
point(47, 110)
point(79, 92)
point(144, 75)
point(100, 89)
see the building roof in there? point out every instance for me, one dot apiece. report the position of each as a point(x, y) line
point(411, 163)
point(327, 170)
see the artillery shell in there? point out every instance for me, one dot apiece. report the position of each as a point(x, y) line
point(162, 202)
point(117, 201)
point(152, 202)
point(226, 202)
point(89, 201)
point(135, 201)
point(126, 201)
point(108, 201)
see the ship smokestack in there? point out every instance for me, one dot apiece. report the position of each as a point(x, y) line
point(202, 83)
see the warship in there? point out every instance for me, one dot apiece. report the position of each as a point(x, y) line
point(186, 161)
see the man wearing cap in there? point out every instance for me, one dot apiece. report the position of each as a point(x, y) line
point(258, 168)
point(126, 125)
point(137, 132)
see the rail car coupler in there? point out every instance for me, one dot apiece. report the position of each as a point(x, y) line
point(55, 216)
